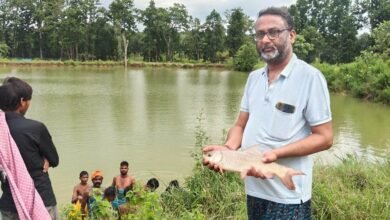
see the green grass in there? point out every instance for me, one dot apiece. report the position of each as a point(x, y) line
point(354, 189)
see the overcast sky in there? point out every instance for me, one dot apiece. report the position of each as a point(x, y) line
point(201, 8)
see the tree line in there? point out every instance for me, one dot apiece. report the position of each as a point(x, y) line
point(328, 30)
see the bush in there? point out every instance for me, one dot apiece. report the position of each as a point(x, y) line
point(368, 77)
point(246, 57)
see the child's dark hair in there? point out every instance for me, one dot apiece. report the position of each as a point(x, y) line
point(173, 184)
point(83, 173)
point(127, 189)
point(110, 191)
point(12, 92)
point(152, 184)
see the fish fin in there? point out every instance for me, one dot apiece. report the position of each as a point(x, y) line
point(287, 179)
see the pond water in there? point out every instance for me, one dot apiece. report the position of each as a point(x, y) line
point(101, 116)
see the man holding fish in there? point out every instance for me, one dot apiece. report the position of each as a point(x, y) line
point(284, 117)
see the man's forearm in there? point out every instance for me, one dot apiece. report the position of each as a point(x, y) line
point(234, 137)
point(320, 139)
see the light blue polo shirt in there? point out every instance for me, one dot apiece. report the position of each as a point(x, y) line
point(299, 85)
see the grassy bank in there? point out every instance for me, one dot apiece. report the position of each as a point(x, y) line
point(131, 63)
point(351, 190)
point(354, 189)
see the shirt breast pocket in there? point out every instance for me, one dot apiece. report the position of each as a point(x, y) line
point(282, 123)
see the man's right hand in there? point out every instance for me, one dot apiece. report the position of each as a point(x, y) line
point(208, 163)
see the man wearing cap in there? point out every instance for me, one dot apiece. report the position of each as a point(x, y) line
point(97, 191)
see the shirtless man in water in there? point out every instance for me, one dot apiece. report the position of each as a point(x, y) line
point(123, 180)
point(80, 189)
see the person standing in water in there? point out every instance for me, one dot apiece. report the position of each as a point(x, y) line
point(81, 188)
point(123, 180)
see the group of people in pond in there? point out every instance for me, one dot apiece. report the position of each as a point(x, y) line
point(85, 195)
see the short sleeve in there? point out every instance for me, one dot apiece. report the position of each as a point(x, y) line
point(47, 147)
point(244, 107)
point(318, 103)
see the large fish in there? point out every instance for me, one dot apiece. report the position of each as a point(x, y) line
point(239, 161)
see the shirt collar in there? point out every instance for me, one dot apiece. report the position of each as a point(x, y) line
point(11, 115)
point(287, 70)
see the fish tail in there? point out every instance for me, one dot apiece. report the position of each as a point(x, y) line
point(292, 172)
point(287, 179)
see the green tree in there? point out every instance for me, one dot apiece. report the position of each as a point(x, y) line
point(90, 11)
point(313, 37)
point(162, 30)
point(335, 23)
point(238, 24)
point(214, 36)
point(378, 12)
point(192, 40)
point(302, 48)
point(20, 29)
point(177, 21)
point(104, 41)
point(381, 36)
point(70, 30)
point(123, 15)
point(154, 43)
point(45, 15)
point(5, 14)
point(300, 13)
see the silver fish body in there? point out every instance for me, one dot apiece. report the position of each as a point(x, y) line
point(239, 161)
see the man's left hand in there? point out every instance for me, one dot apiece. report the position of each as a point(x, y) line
point(269, 156)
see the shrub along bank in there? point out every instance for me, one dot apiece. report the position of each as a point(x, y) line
point(367, 78)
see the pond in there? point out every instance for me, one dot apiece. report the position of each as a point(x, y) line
point(148, 116)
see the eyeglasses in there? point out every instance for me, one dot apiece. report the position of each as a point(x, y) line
point(271, 34)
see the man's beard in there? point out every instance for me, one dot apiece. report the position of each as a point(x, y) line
point(274, 57)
